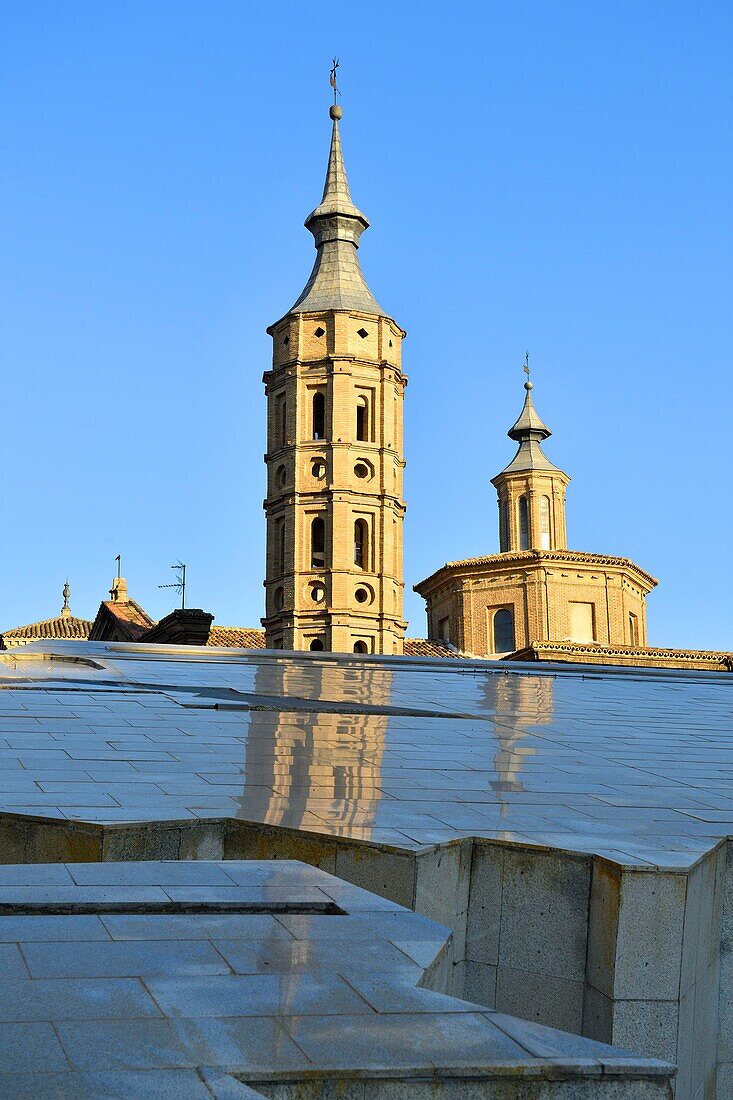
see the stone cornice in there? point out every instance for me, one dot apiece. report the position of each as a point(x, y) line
point(521, 558)
point(593, 653)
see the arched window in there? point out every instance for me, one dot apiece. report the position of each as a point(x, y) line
point(360, 647)
point(319, 416)
point(318, 543)
point(504, 526)
point(362, 418)
point(544, 523)
point(361, 544)
point(503, 631)
point(281, 546)
point(524, 533)
point(316, 645)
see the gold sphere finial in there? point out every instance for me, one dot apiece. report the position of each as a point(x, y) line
point(335, 112)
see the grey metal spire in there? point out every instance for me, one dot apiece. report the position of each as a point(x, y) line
point(336, 281)
point(529, 431)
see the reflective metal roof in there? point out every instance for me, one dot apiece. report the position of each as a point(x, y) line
point(633, 764)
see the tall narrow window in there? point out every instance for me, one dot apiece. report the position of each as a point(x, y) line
point(361, 544)
point(633, 629)
point(544, 523)
point(503, 631)
point(319, 416)
point(283, 421)
point(281, 546)
point(504, 526)
point(362, 418)
point(523, 523)
point(318, 543)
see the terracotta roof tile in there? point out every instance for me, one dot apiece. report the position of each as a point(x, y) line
point(238, 637)
point(424, 647)
point(63, 626)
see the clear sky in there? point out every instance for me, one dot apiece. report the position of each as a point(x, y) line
point(552, 176)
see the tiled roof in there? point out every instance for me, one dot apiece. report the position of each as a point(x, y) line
point(244, 637)
point(424, 647)
point(63, 626)
point(129, 611)
point(238, 637)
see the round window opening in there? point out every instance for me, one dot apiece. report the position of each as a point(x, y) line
point(362, 470)
point(318, 469)
point(318, 593)
point(363, 595)
point(279, 599)
point(282, 475)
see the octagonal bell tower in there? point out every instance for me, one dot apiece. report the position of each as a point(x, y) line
point(334, 456)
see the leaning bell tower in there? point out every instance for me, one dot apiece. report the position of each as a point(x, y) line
point(334, 456)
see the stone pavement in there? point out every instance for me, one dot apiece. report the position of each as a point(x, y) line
point(190, 979)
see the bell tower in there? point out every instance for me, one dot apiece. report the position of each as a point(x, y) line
point(334, 456)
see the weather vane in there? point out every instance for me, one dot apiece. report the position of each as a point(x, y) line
point(118, 559)
point(525, 368)
point(179, 584)
point(332, 78)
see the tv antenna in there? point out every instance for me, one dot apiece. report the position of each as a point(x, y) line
point(179, 583)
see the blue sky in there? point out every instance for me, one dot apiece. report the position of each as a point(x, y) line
point(551, 176)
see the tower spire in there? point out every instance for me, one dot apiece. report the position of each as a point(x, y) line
point(529, 430)
point(336, 281)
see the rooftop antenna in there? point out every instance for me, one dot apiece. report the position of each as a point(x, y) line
point(332, 80)
point(179, 584)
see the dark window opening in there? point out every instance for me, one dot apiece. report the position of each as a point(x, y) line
point(319, 416)
point(319, 332)
point(316, 645)
point(361, 544)
point(362, 419)
point(504, 526)
point(363, 333)
point(524, 528)
point(279, 599)
point(281, 546)
point(503, 631)
point(360, 647)
point(283, 422)
point(318, 544)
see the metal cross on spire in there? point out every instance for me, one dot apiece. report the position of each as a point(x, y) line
point(332, 78)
